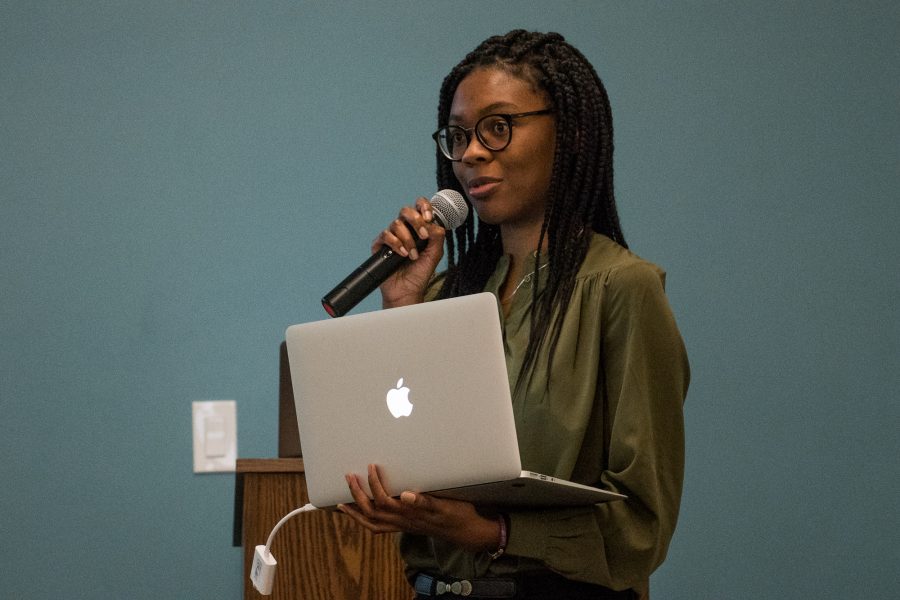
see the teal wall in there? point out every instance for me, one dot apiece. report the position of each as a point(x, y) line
point(180, 181)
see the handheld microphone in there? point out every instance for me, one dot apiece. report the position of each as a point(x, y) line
point(450, 211)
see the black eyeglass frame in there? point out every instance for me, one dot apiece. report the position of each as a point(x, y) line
point(467, 131)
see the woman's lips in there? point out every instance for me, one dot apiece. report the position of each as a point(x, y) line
point(482, 187)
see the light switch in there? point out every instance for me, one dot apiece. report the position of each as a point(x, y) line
point(215, 435)
point(214, 442)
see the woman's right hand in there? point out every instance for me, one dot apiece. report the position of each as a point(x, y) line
point(407, 285)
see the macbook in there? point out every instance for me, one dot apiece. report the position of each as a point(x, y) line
point(421, 391)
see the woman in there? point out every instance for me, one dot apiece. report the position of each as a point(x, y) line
point(596, 363)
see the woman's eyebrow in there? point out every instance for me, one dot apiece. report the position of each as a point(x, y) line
point(490, 108)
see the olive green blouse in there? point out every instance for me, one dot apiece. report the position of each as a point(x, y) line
point(611, 416)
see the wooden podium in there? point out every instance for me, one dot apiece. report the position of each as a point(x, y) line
point(322, 555)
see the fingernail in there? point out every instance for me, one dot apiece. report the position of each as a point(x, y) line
point(413, 254)
point(429, 216)
point(403, 251)
point(423, 232)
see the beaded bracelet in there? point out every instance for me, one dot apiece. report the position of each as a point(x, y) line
point(501, 520)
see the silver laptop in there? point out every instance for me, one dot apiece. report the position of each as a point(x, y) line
point(422, 392)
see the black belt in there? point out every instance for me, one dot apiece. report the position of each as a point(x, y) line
point(548, 585)
point(479, 588)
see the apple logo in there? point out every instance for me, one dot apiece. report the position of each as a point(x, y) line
point(398, 400)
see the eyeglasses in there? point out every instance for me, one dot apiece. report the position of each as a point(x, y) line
point(494, 132)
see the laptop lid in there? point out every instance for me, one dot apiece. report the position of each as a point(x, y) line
point(422, 391)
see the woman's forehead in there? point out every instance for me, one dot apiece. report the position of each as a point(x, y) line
point(492, 89)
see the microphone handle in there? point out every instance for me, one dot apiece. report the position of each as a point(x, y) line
point(365, 279)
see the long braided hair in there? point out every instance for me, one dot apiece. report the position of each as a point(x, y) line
point(580, 197)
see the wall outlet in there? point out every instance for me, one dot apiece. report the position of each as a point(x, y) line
point(215, 435)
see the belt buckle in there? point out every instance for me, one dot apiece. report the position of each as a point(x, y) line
point(457, 588)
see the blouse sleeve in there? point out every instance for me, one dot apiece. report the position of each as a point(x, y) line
point(643, 380)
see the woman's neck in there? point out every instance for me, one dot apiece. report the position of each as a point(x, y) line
point(520, 243)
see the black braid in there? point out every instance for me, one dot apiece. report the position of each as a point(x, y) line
point(581, 196)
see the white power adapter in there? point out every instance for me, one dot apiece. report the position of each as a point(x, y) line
point(262, 572)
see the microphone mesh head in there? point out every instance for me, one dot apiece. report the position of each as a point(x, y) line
point(450, 208)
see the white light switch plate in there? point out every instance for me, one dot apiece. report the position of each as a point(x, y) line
point(215, 435)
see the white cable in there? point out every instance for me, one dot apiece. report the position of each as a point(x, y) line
point(284, 520)
point(262, 572)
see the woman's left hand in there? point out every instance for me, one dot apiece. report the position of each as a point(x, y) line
point(422, 514)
